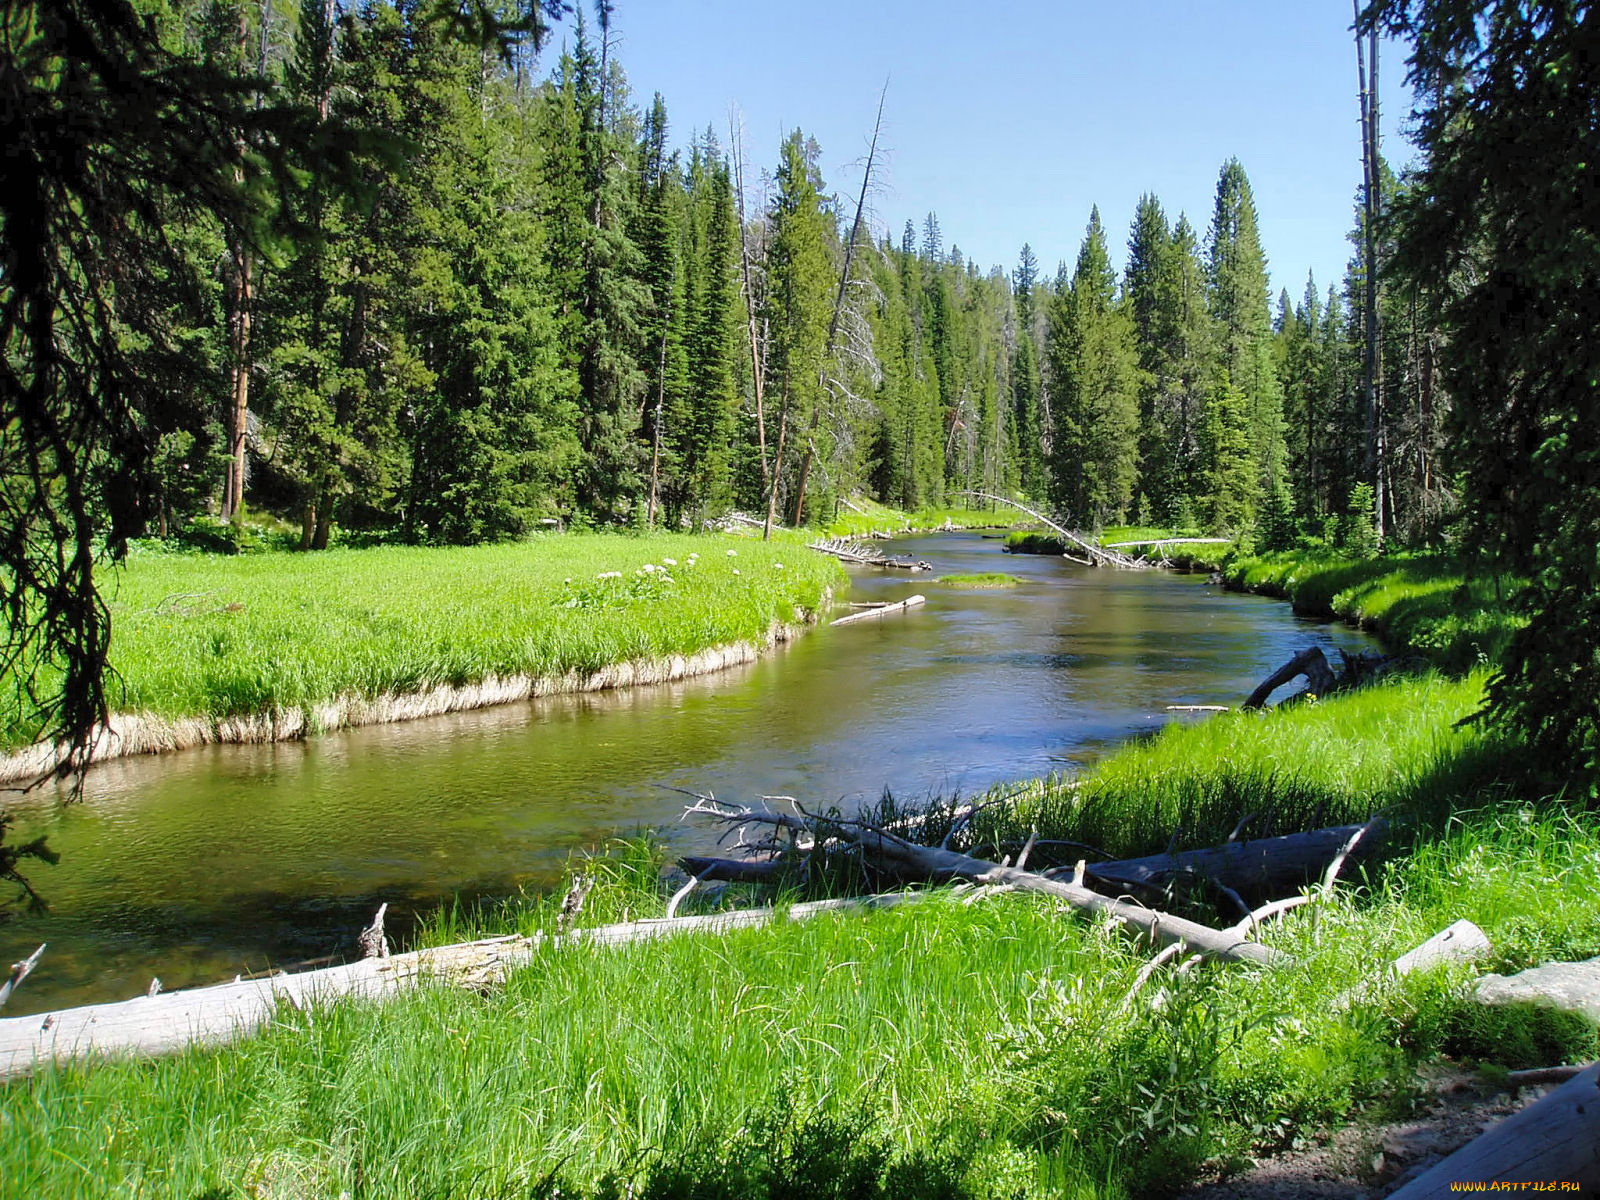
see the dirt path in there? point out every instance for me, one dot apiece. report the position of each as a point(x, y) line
point(1370, 1161)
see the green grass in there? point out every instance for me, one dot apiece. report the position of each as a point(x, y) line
point(942, 1049)
point(980, 581)
point(206, 635)
point(1426, 603)
point(1394, 748)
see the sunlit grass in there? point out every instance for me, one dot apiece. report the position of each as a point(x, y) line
point(207, 635)
point(1427, 603)
point(979, 581)
point(976, 1044)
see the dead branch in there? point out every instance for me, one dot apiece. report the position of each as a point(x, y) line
point(371, 940)
point(19, 972)
point(1310, 662)
point(937, 863)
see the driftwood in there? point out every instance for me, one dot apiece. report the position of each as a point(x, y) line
point(1458, 943)
point(1553, 1141)
point(871, 614)
point(1167, 542)
point(214, 1016)
point(933, 862)
point(1310, 662)
point(19, 972)
point(1211, 708)
point(1355, 670)
point(1100, 555)
point(849, 551)
point(1261, 865)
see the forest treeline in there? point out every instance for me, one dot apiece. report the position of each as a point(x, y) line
point(412, 270)
point(522, 299)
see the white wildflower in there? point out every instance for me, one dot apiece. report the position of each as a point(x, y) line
point(649, 568)
point(669, 562)
point(777, 566)
point(732, 553)
point(736, 570)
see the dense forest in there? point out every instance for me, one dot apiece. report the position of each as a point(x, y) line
point(417, 271)
point(520, 299)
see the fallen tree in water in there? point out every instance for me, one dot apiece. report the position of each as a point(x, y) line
point(1355, 670)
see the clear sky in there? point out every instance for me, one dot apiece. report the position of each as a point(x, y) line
point(1010, 121)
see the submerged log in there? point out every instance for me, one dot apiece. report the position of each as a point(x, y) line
point(170, 1022)
point(881, 611)
point(1554, 1141)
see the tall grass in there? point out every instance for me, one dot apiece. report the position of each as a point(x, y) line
point(1427, 603)
point(1394, 748)
point(202, 635)
point(940, 1049)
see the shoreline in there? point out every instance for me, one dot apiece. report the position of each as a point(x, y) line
point(132, 734)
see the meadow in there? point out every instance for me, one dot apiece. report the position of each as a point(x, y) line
point(215, 636)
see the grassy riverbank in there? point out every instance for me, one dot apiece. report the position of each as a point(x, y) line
point(944, 1049)
point(1425, 603)
point(216, 637)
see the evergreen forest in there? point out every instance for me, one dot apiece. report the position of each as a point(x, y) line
point(396, 270)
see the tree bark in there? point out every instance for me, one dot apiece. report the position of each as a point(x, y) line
point(1553, 1140)
point(909, 859)
point(1310, 662)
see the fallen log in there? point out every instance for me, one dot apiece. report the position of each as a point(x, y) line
point(1458, 943)
point(1212, 708)
point(867, 556)
point(1102, 556)
point(1168, 542)
point(1310, 662)
point(1553, 1142)
point(884, 610)
point(940, 863)
point(169, 1022)
point(1260, 865)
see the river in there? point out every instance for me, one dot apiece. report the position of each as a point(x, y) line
point(203, 864)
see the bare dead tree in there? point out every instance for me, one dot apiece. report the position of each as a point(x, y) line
point(856, 227)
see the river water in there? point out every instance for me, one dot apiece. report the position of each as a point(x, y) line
point(203, 864)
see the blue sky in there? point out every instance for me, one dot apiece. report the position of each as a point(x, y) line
point(1011, 121)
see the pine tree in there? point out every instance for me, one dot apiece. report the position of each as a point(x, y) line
point(1025, 415)
point(1232, 485)
point(1237, 276)
point(1094, 376)
point(799, 295)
